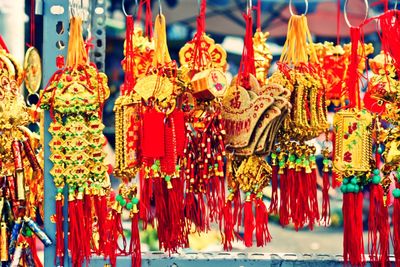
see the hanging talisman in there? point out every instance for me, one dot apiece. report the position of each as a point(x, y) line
point(21, 194)
point(298, 71)
point(203, 83)
point(74, 96)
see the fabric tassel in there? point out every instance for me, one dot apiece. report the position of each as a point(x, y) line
point(202, 221)
point(375, 196)
point(101, 212)
point(313, 200)
point(326, 207)
point(353, 244)
point(115, 230)
point(273, 207)
point(228, 233)
point(237, 215)
point(190, 209)
point(135, 249)
point(384, 232)
point(88, 216)
point(59, 231)
point(83, 235)
point(396, 225)
point(262, 233)
point(146, 193)
point(74, 242)
point(284, 200)
point(161, 213)
point(248, 221)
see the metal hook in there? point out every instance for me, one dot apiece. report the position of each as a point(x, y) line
point(291, 9)
point(345, 12)
point(134, 11)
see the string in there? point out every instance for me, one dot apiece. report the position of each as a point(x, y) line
point(129, 79)
point(247, 66)
point(149, 20)
point(198, 60)
point(338, 22)
point(259, 15)
point(32, 23)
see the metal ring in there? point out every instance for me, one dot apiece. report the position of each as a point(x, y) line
point(291, 9)
point(345, 12)
point(34, 101)
point(124, 10)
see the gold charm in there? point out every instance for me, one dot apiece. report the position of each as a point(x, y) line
point(33, 70)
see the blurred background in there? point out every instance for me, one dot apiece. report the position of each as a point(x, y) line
point(225, 24)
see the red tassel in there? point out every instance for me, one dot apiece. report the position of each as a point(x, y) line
point(313, 200)
point(262, 233)
point(32, 244)
point(83, 235)
point(88, 216)
point(384, 232)
point(59, 232)
point(101, 212)
point(161, 213)
point(237, 214)
point(326, 207)
point(375, 197)
point(190, 209)
point(353, 244)
point(284, 201)
point(202, 220)
point(273, 207)
point(396, 228)
point(175, 217)
point(74, 240)
point(228, 226)
point(135, 250)
point(146, 193)
point(248, 222)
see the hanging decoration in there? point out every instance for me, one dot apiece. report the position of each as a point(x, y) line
point(75, 96)
point(21, 198)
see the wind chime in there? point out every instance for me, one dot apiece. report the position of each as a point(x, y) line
point(21, 194)
point(74, 97)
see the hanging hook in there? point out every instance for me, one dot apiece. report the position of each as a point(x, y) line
point(345, 12)
point(134, 11)
point(291, 9)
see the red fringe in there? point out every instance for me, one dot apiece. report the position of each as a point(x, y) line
point(313, 200)
point(74, 240)
point(262, 233)
point(83, 234)
point(190, 208)
point(273, 207)
point(87, 208)
point(248, 223)
point(59, 233)
point(228, 235)
point(176, 217)
point(396, 229)
point(299, 199)
point(101, 212)
point(326, 207)
point(353, 244)
point(135, 249)
point(284, 200)
point(146, 193)
point(115, 231)
point(378, 228)
point(32, 244)
point(203, 222)
point(161, 213)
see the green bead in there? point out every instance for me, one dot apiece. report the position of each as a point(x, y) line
point(177, 168)
point(60, 190)
point(306, 162)
point(167, 178)
point(345, 181)
point(135, 201)
point(157, 162)
point(356, 188)
point(281, 163)
point(154, 167)
point(60, 85)
point(292, 158)
point(354, 181)
point(350, 188)
point(312, 157)
point(273, 156)
point(398, 175)
point(129, 205)
point(380, 150)
point(28, 232)
point(122, 202)
point(376, 172)
point(119, 198)
point(325, 161)
point(396, 193)
point(81, 189)
point(298, 161)
point(376, 179)
point(248, 194)
point(343, 188)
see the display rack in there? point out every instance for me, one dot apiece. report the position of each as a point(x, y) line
point(55, 39)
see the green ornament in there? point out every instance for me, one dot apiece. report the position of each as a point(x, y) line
point(376, 179)
point(396, 193)
point(281, 163)
point(343, 188)
point(135, 201)
point(273, 156)
point(292, 158)
point(376, 172)
point(248, 194)
point(119, 198)
point(356, 188)
point(325, 161)
point(298, 161)
point(345, 181)
point(60, 190)
point(122, 202)
point(167, 178)
point(380, 150)
point(350, 188)
point(354, 181)
point(129, 205)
